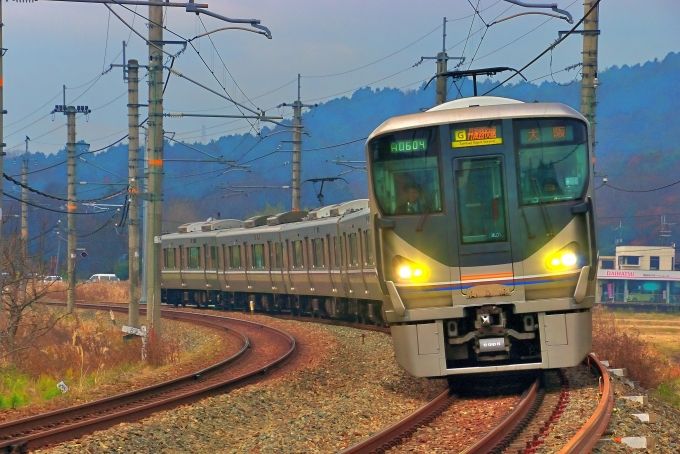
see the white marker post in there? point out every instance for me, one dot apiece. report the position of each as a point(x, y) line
point(141, 332)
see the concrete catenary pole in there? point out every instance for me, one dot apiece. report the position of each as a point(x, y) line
point(297, 146)
point(24, 206)
point(71, 207)
point(589, 74)
point(133, 164)
point(297, 149)
point(442, 65)
point(155, 175)
point(2, 154)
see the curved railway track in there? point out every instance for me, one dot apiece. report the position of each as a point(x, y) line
point(262, 348)
point(522, 430)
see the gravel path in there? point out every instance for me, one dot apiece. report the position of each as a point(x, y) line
point(338, 391)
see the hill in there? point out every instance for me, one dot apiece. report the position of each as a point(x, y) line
point(636, 150)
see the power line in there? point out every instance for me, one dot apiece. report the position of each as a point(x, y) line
point(552, 46)
point(638, 191)
point(18, 183)
point(49, 209)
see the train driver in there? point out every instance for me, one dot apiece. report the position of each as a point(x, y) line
point(413, 202)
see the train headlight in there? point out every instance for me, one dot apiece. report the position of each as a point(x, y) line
point(407, 269)
point(405, 272)
point(567, 257)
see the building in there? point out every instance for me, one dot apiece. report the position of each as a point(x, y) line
point(639, 274)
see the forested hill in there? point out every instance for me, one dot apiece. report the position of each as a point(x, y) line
point(638, 133)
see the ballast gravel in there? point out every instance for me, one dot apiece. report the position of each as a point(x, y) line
point(342, 387)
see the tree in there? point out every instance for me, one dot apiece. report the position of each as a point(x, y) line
point(23, 317)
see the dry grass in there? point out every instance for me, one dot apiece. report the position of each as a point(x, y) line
point(624, 342)
point(93, 292)
point(83, 349)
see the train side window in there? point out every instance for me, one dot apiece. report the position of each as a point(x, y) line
point(298, 260)
point(223, 257)
point(318, 253)
point(353, 250)
point(368, 248)
point(278, 251)
point(181, 257)
point(194, 257)
point(235, 257)
point(481, 200)
point(213, 257)
point(328, 252)
point(169, 258)
point(257, 252)
point(337, 245)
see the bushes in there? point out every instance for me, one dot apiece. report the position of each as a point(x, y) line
point(627, 349)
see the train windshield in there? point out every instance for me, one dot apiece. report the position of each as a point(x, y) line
point(405, 168)
point(552, 158)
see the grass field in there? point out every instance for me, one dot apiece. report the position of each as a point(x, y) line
point(662, 331)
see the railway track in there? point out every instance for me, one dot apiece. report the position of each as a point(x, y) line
point(521, 430)
point(262, 349)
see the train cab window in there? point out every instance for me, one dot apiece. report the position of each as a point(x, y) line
point(368, 248)
point(169, 258)
point(194, 257)
point(318, 253)
point(353, 250)
point(405, 169)
point(257, 251)
point(552, 159)
point(235, 257)
point(481, 200)
point(337, 247)
point(298, 259)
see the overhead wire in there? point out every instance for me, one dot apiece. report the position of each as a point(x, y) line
point(50, 209)
point(552, 46)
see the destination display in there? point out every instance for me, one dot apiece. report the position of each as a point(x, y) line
point(403, 146)
point(550, 134)
point(476, 136)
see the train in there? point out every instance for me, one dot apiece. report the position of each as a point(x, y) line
point(476, 245)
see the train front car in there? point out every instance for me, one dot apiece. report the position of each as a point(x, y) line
point(485, 234)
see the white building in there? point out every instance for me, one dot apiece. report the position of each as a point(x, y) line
point(639, 274)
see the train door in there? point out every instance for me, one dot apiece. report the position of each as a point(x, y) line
point(484, 243)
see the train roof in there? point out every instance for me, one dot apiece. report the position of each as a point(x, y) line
point(475, 109)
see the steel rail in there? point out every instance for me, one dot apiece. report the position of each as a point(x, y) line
point(586, 438)
point(64, 424)
point(502, 431)
point(391, 436)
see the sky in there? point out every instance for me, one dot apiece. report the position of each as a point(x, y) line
point(337, 46)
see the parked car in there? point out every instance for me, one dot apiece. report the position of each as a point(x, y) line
point(50, 279)
point(103, 278)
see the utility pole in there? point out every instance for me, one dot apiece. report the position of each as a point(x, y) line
point(133, 157)
point(154, 156)
point(24, 206)
point(71, 206)
point(2, 154)
point(297, 145)
point(589, 80)
point(442, 67)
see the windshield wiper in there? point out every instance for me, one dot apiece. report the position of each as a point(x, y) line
point(421, 222)
point(544, 210)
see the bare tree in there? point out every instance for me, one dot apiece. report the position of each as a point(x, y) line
point(23, 317)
